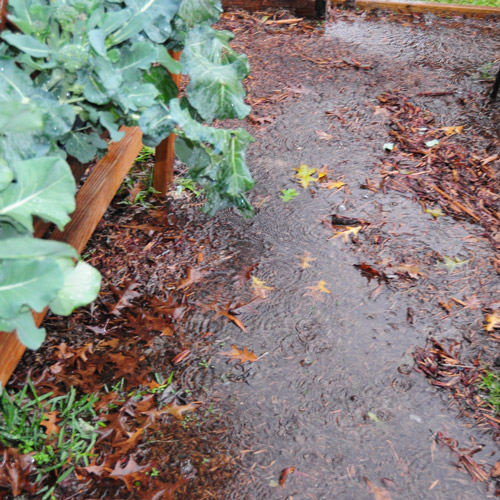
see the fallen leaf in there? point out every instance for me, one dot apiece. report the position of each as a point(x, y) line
point(180, 357)
point(411, 269)
point(193, 275)
point(305, 175)
point(130, 472)
point(319, 287)
point(435, 212)
point(178, 411)
point(124, 296)
point(378, 493)
point(492, 321)
point(49, 421)
point(173, 409)
point(324, 136)
point(257, 283)
point(288, 194)
point(284, 474)
point(450, 264)
point(335, 184)
point(349, 230)
point(452, 130)
point(305, 260)
point(243, 356)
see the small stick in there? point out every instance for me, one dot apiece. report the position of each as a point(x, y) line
point(456, 203)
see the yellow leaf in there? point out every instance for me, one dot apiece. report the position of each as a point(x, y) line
point(306, 260)
point(319, 287)
point(335, 185)
point(452, 130)
point(349, 230)
point(257, 283)
point(492, 321)
point(305, 175)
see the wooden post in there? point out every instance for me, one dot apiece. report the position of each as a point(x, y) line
point(3, 14)
point(92, 201)
point(163, 174)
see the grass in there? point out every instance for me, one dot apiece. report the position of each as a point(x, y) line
point(59, 431)
point(490, 387)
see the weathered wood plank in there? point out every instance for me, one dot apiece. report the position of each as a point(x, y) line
point(92, 201)
point(436, 8)
point(163, 173)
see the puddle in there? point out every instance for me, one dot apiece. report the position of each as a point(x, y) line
point(333, 393)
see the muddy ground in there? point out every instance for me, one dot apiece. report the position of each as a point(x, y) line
point(365, 302)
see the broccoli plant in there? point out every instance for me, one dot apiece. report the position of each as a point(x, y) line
point(73, 72)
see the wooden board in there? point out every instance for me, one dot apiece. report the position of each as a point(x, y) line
point(300, 8)
point(436, 8)
point(91, 202)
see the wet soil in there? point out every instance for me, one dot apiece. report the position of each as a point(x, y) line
point(334, 392)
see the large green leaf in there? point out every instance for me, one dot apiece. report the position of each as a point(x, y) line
point(35, 249)
point(215, 72)
point(31, 283)
point(44, 187)
point(160, 78)
point(27, 43)
point(81, 286)
point(18, 117)
point(135, 96)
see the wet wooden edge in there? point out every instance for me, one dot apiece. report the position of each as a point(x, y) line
point(435, 8)
point(92, 201)
point(163, 172)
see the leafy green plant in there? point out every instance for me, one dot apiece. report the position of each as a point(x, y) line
point(75, 71)
point(58, 431)
point(490, 386)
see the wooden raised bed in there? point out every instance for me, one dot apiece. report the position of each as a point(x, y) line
point(92, 200)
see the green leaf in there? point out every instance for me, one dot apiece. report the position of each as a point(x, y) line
point(34, 249)
point(31, 283)
point(85, 147)
point(81, 286)
point(215, 72)
point(139, 56)
point(288, 194)
point(18, 117)
point(196, 12)
point(44, 187)
point(156, 124)
point(163, 82)
point(137, 95)
point(167, 61)
point(6, 176)
point(94, 91)
point(27, 43)
point(97, 39)
point(108, 120)
point(15, 84)
point(26, 330)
